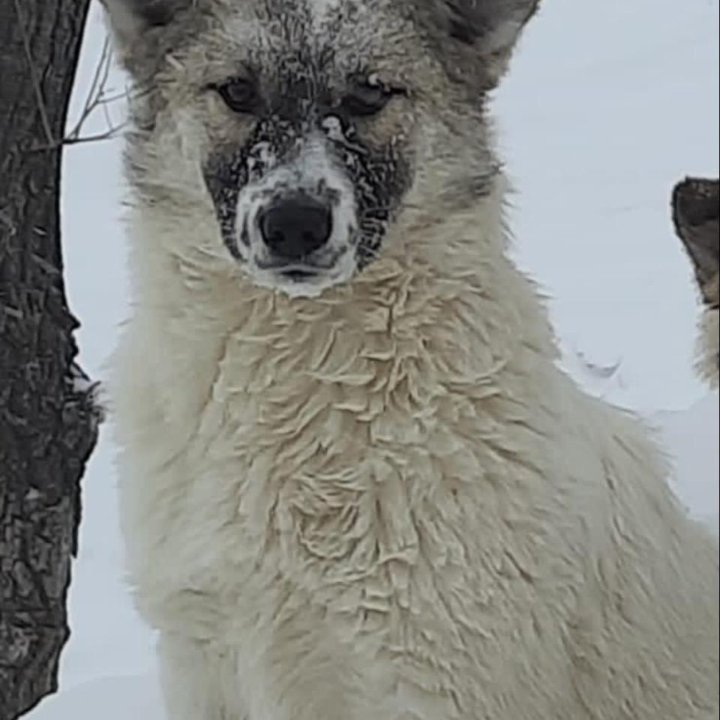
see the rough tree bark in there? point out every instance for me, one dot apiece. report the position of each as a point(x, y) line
point(48, 425)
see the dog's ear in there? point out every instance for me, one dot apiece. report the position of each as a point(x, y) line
point(696, 215)
point(131, 19)
point(481, 33)
point(491, 26)
point(137, 24)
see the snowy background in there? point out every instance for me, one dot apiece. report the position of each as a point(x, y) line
point(608, 104)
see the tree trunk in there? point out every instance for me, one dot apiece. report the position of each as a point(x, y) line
point(48, 424)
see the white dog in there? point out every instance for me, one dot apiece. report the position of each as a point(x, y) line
point(355, 485)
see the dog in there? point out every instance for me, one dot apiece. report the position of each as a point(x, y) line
point(696, 216)
point(354, 483)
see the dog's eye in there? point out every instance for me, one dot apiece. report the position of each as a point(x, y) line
point(366, 99)
point(240, 95)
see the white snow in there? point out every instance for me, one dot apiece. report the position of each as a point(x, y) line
point(692, 437)
point(607, 105)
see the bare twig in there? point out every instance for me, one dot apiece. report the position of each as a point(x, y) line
point(99, 97)
point(96, 92)
point(109, 135)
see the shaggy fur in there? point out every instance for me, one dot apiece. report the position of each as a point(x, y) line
point(385, 502)
point(696, 214)
point(708, 345)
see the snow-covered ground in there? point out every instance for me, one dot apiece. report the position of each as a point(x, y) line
point(608, 104)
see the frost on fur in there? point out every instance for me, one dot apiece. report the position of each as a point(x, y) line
point(696, 214)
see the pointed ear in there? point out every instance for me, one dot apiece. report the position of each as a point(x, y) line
point(696, 215)
point(480, 33)
point(131, 18)
point(133, 22)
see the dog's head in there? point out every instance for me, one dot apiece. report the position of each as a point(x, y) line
point(696, 215)
point(307, 131)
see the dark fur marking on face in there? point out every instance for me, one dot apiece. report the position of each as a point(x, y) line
point(380, 177)
point(228, 172)
point(225, 177)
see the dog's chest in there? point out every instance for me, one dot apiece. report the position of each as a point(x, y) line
point(338, 484)
point(339, 459)
point(334, 479)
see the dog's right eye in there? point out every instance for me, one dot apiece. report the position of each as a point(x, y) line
point(240, 95)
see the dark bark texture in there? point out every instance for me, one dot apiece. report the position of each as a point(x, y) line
point(48, 424)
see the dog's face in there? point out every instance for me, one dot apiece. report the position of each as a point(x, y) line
point(312, 128)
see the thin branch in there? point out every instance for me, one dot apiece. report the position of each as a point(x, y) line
point(109, 134)
point(93, 90)
point(98, 96)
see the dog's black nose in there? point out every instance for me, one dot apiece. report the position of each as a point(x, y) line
point(294, 227)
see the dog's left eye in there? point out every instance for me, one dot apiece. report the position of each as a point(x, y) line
point(240, 95)
point(366, 99)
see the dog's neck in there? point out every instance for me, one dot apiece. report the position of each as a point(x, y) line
point(443, 311)
point(449, 281)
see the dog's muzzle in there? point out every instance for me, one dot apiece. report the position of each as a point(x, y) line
point(297, 224)
point(294, 227)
